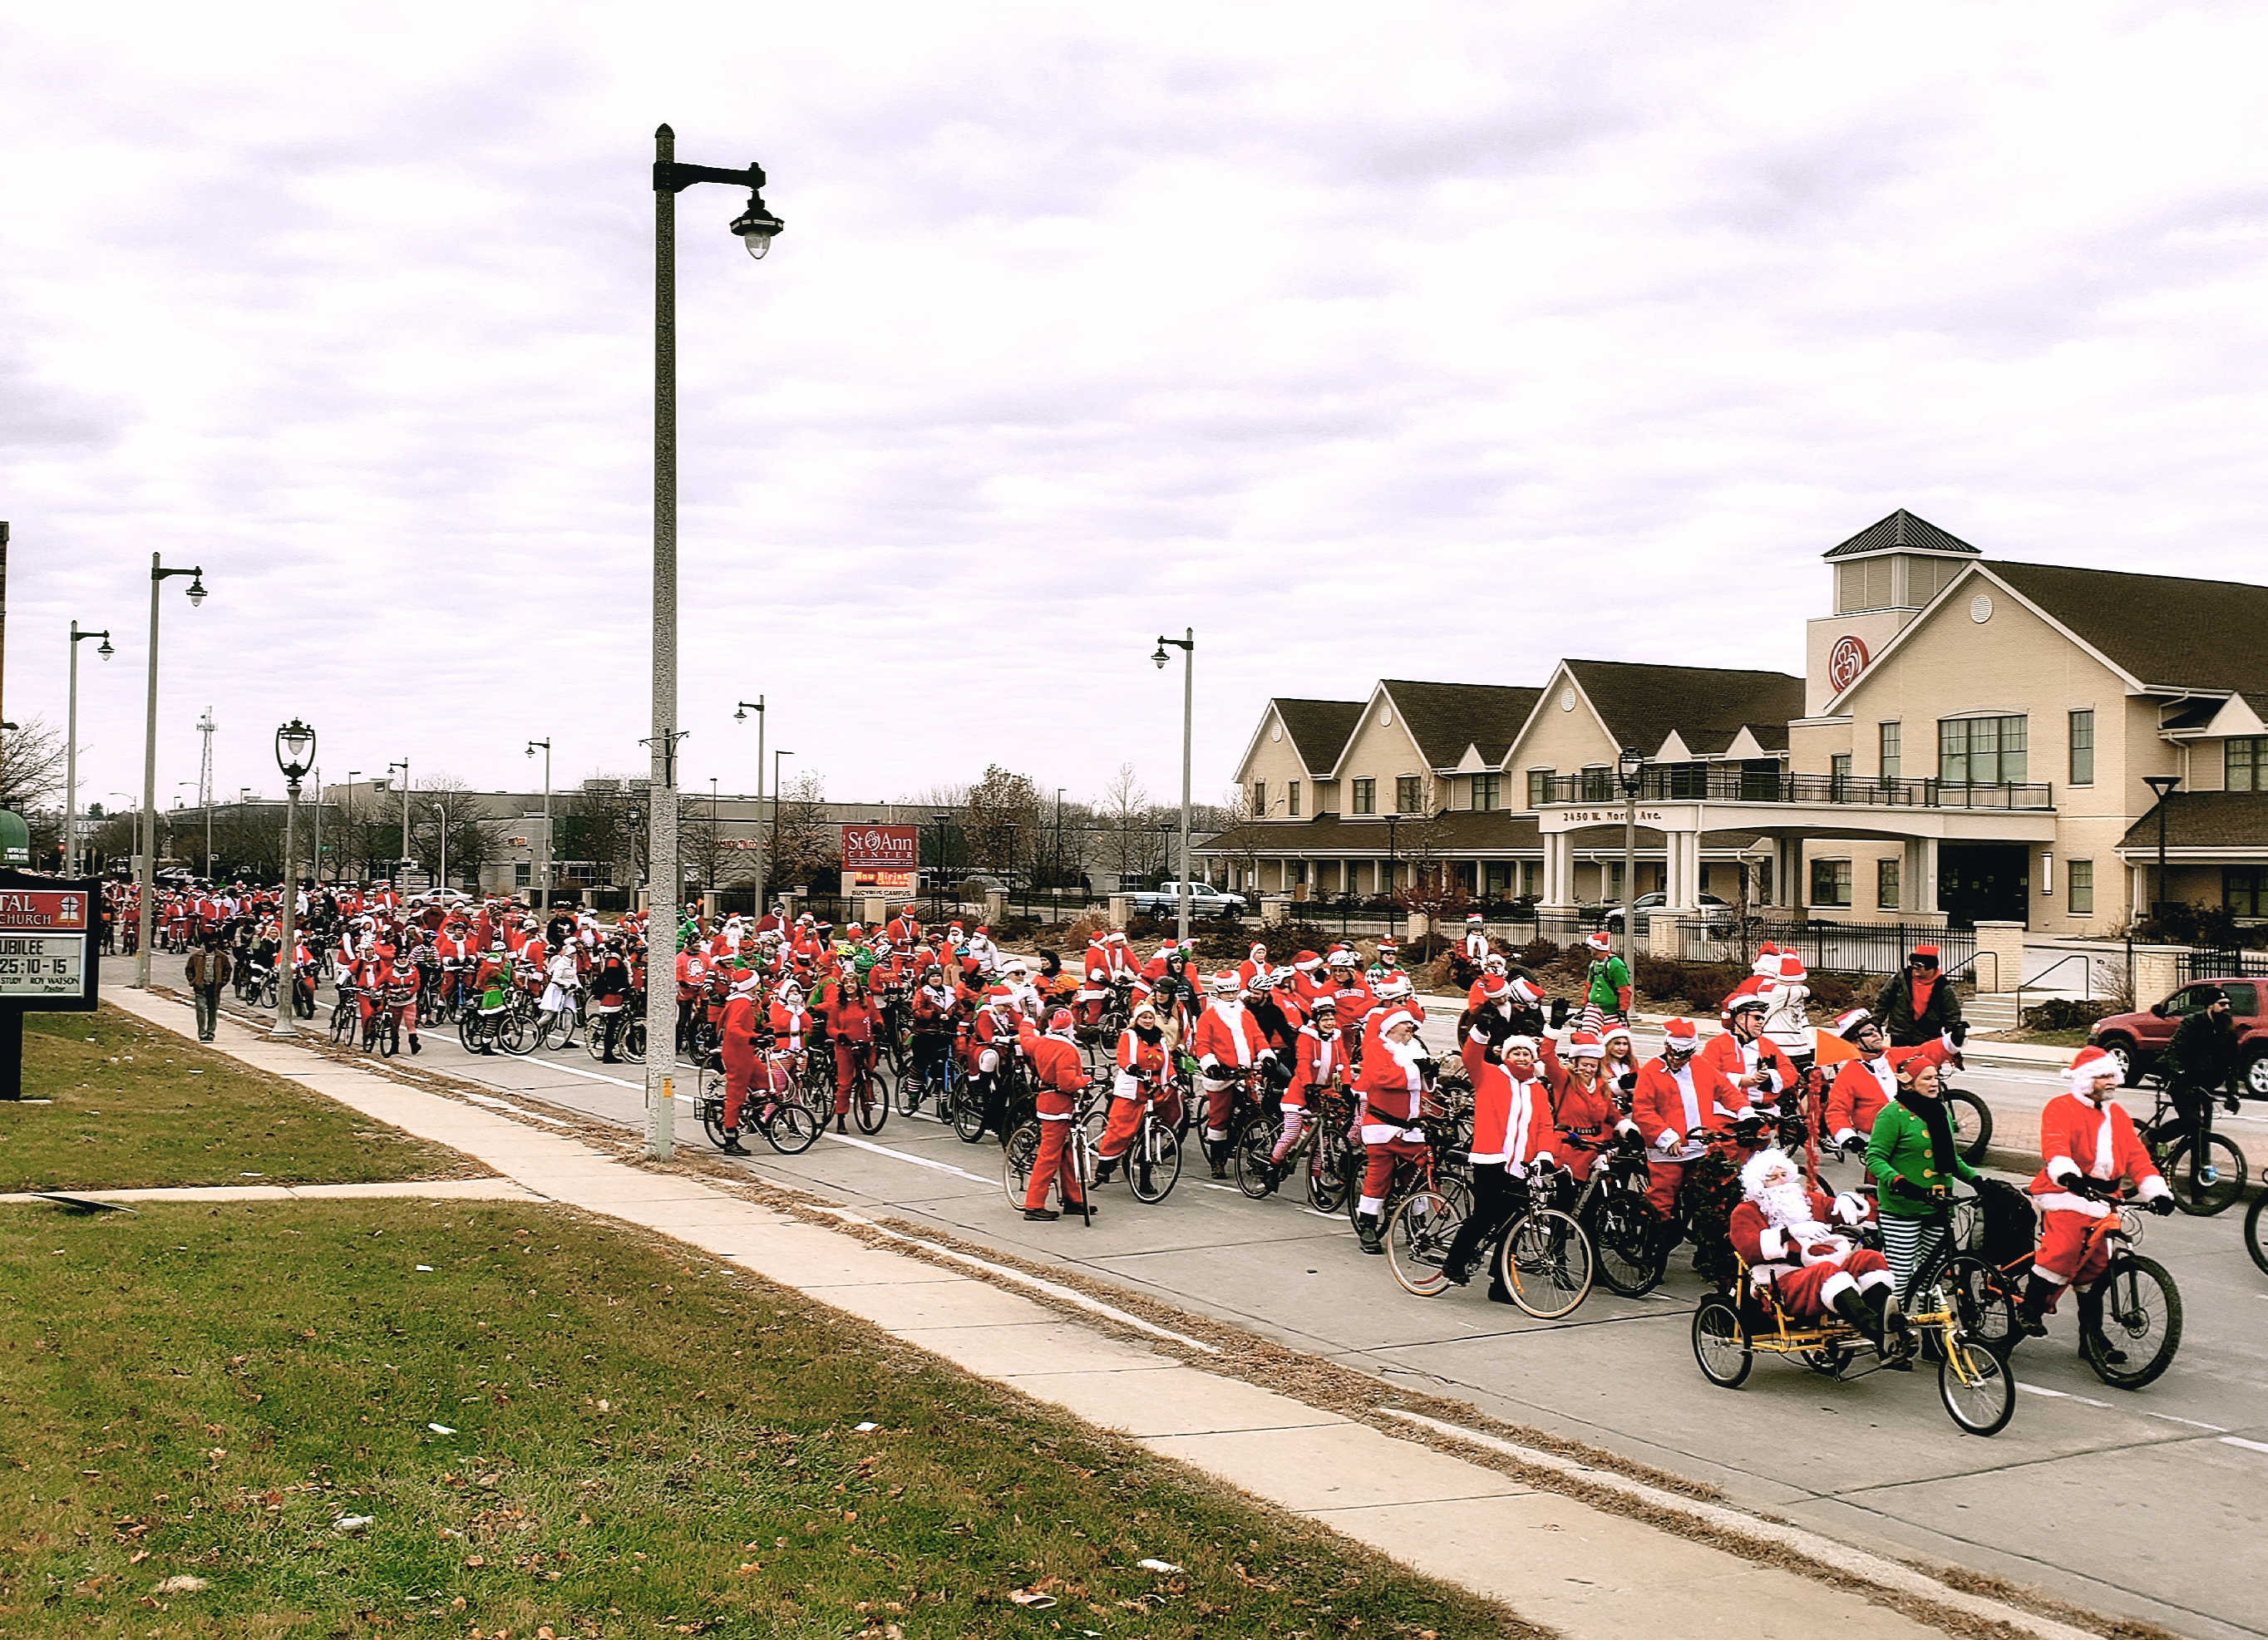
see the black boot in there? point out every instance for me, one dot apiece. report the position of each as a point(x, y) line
point(1366, 1230)
point(1896, 1332)
point(732, 1146)
point(1217, 1156)
point(2090, 1330)
point(2039, 1292)
point(1104, 1169)
point(1854, 1309)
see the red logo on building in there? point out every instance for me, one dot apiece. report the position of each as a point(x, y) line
point(1845, 662)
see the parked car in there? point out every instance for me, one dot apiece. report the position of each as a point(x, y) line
point(2136, 1040)
point(1719, 912)
point(1204, 901)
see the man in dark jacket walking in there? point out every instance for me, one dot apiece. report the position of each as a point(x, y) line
point(1918, 1005)
point(208, 969)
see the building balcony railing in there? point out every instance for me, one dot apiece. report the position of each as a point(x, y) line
point(1740, 785)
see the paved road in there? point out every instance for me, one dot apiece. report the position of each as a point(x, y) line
point(2150, 1504)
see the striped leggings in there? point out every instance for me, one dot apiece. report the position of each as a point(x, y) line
point(1907, 1244)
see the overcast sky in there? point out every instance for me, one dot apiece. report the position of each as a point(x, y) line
point(1433, 342)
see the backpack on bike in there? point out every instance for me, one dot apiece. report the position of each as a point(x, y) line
point(2006, 1224)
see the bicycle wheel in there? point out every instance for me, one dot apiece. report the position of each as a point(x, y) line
point(2194, 1196)
point(791, 1129)
point(1418, 1242)
point(632, 1042)
point(1544, 1261)
point(1972, 1124)
point(558, 1029)
point(1720, 1343)
point(1251, 1151)
point(267, 992)
point(2141, 1319)
point(870, 1107)
point(2255, 1232)
point(968, 1112)
point(1327, 1182)
point(594, 1039)
point(470, 1037)
point(1974, 1382)
point(1621, 1235)
point(1154, 1164)
point(817, 1088)
point(515, 1033)
point(389, 1038)
point(1020, 1155)
point(343, 1018)
point(911, 1090)
point(1982, 1304)
point(712, 1121)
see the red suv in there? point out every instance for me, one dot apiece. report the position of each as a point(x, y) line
point(2135, 1040)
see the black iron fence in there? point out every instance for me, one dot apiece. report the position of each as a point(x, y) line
point(2200, 962)
point(1711, 783)
point(1834, 947)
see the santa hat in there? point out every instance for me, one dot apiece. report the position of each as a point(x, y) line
point(1306, 962)
point(1586, 1045)
point(1526, 992)
point(1792, 971)
point(1767, 962)
point(745, 983)
point(1473, 917)
point(1680, 1036)
point(1341, 957)
point(1600, 940)
point(1259, 952)
point(2092, 1062)
point(1399, 1016)
point(1225, 983)
point(1142, 1005)
point(1614, 1031)
point(1848, 1026)
point(1060, 1023)
point(984, 930)
point(999, 996)
point(1117, 937)
point(1494, 986)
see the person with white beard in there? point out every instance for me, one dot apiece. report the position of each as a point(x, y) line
point(1797, 1245)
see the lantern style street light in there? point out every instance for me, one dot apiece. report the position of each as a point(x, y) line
point(295, 755)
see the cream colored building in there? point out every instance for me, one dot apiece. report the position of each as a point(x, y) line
point(1972, 740)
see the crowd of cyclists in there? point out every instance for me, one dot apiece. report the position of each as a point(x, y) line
point(1543, 1141)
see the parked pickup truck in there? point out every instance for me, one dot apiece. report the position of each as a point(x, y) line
point(1204, 901)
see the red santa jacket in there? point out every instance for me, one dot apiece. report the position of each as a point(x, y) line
point(1759, 1242)
point(1665, 1107)
point(1864, 1086)
point(790, 1027)
point(1227, 1036)
point(1061, 1070)
point(1316, 1059)
point(850, 1018)
point(2079, 1140)
point(1586, 1112)
point(692, 970)
point(904, 931)
point(1355, 1001)
point(737, 1029)
point(1724, 1059)
point(1512, 1119)
point(1141, 1065)
point(1391, 1082)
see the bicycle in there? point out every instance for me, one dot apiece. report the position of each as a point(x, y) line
point(2185, 1163)
point(1153, 1158)
point(554, 1027)
point(1614, 1213)
point(2255, 1232)
point(346, 1015)
point(615, 1025)
point(1023, 1151)
point(2138, 1298)
point(784, 1121)
point(1541, 1256)
point(870, 1106)
point(914, 1087)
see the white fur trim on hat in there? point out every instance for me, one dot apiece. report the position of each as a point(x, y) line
point(1847, 1025)
point(2092, 1062)
point(1682, 1035)
point(1752, 1170)
point(1584, 1045)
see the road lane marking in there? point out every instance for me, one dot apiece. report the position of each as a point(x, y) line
point(577, 1070)
point(2059, 1395)
point(2238, 1440)
point(2210, 1429)
point(907, 1156)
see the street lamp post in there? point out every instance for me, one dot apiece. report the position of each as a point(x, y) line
point(941, 820)
point(349, 847)
point(1629, 767)
point(1187, 645)
point(740, 716)
point(401, 857)
point(2163, 786)
point(543, 860)
point(70, 748)
point(1059, 870)
point(773, 852)
point(441, 821)
point(295, 754)
point(756, 226)
point(147, 890)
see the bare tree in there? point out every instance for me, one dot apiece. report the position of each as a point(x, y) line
point(30, 765)
point(808, 848)
point(1003, 820)
point(1126, 824)
point(698, 849)
point(445, 808)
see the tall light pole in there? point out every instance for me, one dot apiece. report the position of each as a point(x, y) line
point(351, 773)
point(740, 716)
point(441, 819)
point(315, 846)
point(401, 855)
point(774, 850)
point(2163, 786)
point(295, 753)
point(1629, 767)
point(1059, 871)
point(1187, 645)
point(147, 891)
point(756, 226)
point(543, 873)
point(70, 748)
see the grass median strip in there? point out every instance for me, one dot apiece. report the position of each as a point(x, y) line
point(560, 1426)
point(135, 1107)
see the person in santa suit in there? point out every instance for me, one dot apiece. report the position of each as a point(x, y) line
point(1310, 982)
point(993, 1038)
point(1254, 964)
point(851, 1021)
point(982, 951)
point(904, 930)
point(1138, 1082)
point(1582, 1100)
point(1060, 1072)
point(933, 1022)
point(1618, 1074)
point(2090, 1152)
point(790, 1023)
point(737, 1044)
point(1798, 1245)
point(1670, 1101)
point(692, 974)
point(1744, 1069)
point(1352, 995)
point(1394, 1073)
point(1105, 965)
point(1863, 1085)
point(1319, 1062)
point(1227, 1040)
point(1786, 1021)
point(1512, 1128)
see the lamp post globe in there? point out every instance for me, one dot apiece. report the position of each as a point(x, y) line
point(295, 755)
point(295, 750)
point(757, 226)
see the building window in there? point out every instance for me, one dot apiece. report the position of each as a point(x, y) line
point(1886, 885)
point(1291, 799)
point(1365, 797)
point(1539, 787)
point(1687, 780)
point(1597, 780)
point(1259, 800)
point(1488, 792)
point(1409, 794)
point(1982, 751)
point(1838, 778)
point(521, 877)
point(1614, 892)
point(1830, 882)
point(2083, 748)
point(2244, 891)
point(2078, 881)
point(1892, 763)
point(2245, 766)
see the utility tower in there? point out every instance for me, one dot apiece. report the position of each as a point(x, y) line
point(205, 727)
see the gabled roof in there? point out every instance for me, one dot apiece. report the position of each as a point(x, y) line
point(1706, 707)
point(2203, 819)
point(2169, 631)
point(1901, 532)
point(1447, 718)
point(1320, 731)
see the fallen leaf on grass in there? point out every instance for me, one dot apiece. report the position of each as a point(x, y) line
point(353, 1523)
point(1032, 1598)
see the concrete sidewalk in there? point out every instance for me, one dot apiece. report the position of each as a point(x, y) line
point(1587, 1571)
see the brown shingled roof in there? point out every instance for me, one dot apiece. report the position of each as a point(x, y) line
point(2203, 819)
point(1445, 719)
point(2165, 629)
point(1707, 706)
point(1320, 730)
